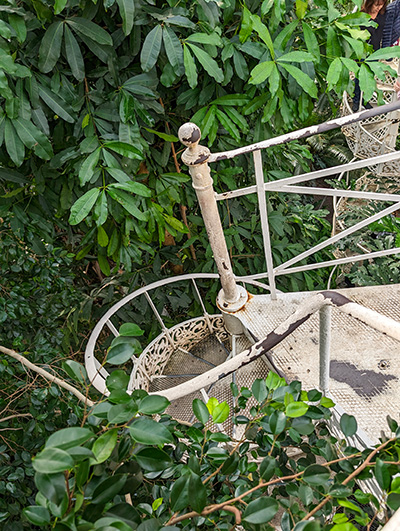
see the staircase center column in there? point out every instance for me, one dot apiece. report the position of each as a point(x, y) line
point(232, 297)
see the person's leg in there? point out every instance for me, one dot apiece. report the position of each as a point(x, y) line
point(357, 96)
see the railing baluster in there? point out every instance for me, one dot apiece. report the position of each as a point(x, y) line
point(264, 221)
point(324, 347)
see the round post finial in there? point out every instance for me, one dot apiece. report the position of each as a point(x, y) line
point(190, 135)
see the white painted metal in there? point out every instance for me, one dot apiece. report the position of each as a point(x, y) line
point(338, 237)
point(394, 522)
point(306, 132)
point(195, 157)
point(262, 204)
point(325, 319)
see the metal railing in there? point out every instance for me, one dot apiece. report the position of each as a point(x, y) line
point(197, 157)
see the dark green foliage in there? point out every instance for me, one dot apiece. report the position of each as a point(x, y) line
point(201, 482)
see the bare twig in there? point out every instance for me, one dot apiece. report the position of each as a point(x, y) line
point(47, 375)
point(5, 419)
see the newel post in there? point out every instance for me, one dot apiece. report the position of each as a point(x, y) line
point(232, 297)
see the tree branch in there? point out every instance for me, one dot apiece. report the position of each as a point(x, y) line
point(47, 375)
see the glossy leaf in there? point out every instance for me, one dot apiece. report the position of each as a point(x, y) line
point(37, 515)
point(15, 148)
point(267, 468)
point(81, 208)
point(90, 29)
point(173, 48)
point(151, 48)
point(52, 486)
point(120, 353)
point(69, 437)
point(147, 431)
point(305, 82)
point(104, 445)
point(260, 511)
point(190, 67)
point(107, 489)
point(128, 202)
point(75, 370)
point(296, 409)
point(124, 149)
point(208, 63)
point(348, 425)
point(74, 55)
point(56, 104)
point(134, 188)
point(153, 459)
point(52, 460)
point(200, 410)
point(153, 404)
point(127, 12)
point(316, 475)
point(50, 47)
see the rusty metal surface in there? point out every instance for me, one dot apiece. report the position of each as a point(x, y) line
point(365, 364)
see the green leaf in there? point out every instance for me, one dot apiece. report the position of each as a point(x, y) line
point(86, 27)
point(384, 53)
point(382, 474)
point(117, 380)
point(220, 413)
point(180, 493)
point(59, 6)
point(118, 174)
point(122, 413)
point(52, 486)
point(190, 67)
point(301, 8)
point(133, 187)
point(173, 48)
point(52, 460)
point(153, 459)
point(208, 63)
point(130, 329)
point(316, 475)
point(348, 425)
point(263, 33)
point(148, 431)
point(197, 493)
point(107, 489)
point(267, 467)
point(334, 71)
point(15, 148)
point(227, 123)
point(75, 370)
point(393, 500)
point(120, 354)
point(367, 81)
point(151, 48)
point(33, 138)
point(260, 511)
point(305, 82)
point(128, 202)
point(259, 390)
point(327, 402)
point(69, 437)
point(261, 72)
point(124, 149)
point(311, 41)
point(296, 57)
point(277, 422)
point(102, 237)
point(50, 47)
point(101, 209)
point(88, 167)
point(164, 136)
point(81, 208)
point(37, 515)
point(200, 410)
point(56, 104)
point(153, 404)
point(296, 409)
point(333, 48)
point(104, 445)
point(127, 12)
point(18, 24)
point(74, 55)
point(205, 38)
